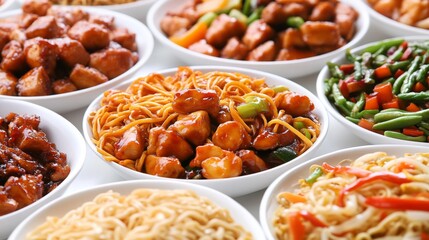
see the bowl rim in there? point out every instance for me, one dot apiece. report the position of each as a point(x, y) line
point(78, 162)
point(402, 26)
point(270, 191)
point(167, 184)
point(147, 52)
point(154, 27)
point(6, 5)
point(113, 7)
point(337, 115)
point(322, 117)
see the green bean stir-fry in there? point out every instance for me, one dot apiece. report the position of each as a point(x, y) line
point(384, 88)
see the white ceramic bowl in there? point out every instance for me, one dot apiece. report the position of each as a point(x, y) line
point(8, 5)
point(288, 181)
point(362, 133)
point(73, 100)
point(65, 204)
point(289, 69)
point(392, 27)
point(137, 9)
point(67, 139)
point(236, 186)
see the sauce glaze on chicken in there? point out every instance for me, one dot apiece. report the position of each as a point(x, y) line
point(30, 165)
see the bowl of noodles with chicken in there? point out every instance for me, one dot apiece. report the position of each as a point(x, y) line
point(365, 192)
point(142, 209)
point(287, 38)
point(231, 129)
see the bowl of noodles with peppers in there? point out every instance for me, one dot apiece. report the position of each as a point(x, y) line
point(231, 129)
point(365, 192)
point(380, 91)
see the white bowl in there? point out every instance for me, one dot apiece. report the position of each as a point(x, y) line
point(288, 181)
point(137, 9)
point(8, 5)
point(392, 27)
point(236, 186)
point(65, 204)
point(67, 102)
point(362, 133)
point(289, 69)
point(67, 139)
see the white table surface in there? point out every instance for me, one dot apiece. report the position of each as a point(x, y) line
point(95, 172)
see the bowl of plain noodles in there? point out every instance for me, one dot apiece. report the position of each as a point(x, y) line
point(133, 8)
point(142, 209)
point(366, 192)
point(231, 129)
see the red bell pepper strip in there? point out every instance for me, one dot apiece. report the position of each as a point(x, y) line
point(312, 219)
point(424, 236)
point(397, 203)
point(399, 178)
point(296, 228)
point(346, 169)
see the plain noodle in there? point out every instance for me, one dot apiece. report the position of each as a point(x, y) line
point(144, 214)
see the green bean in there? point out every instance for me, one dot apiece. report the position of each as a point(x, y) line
point(359, 104)
point(335, 70)
point(390, 80)
point(388, 43)
point(365, 114)
point(368, 79)
point(318, 172)
point(358, 70)
point(385, 115)
point(424, 69)
point(397, 54)
point(380, 51)
point(340, 100)
point(396, 88)
point(350, 56)
point(409, 82)
point(426, 132)
point(414, 96)
point(247, 5)
point(399, 65)
point(353, 120)
point(379, 60)
point(401, 136)
point(350, 105)
point(398, 123)
point(424, 125)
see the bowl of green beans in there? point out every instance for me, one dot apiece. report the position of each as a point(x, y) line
point(381, 90)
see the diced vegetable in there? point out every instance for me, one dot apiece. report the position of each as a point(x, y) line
point(193, 35)
point(285, 153)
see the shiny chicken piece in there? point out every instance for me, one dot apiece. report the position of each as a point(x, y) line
point(167, 143)
point(68, 16)
point(257, 33)
point(131, 144)
point(293, 53)
point(264, 52)
point(125, 38)
point(40, 52)
point(268, 140)
point(8, 84)
point(292, 38)
point(234, 49)
point(203, 47)
point(169, 167)
point(323, 11)
point(293, 103)
point(230, 165)
point(345, 19)
point(191, 100)
point(104, 20)
point(4, 39)
point(7, 205)
point(13, 57)
point(222, 29)
point(317, 34)
point(251, 162)
point(71, 52)
point(194, 127)
point(274, 14)
point(231, 136)
point(25, 189)
point(63, 86)
point(35, 82)
point(204, 152)
point(38, 7)
point(44, 27)
point(172, 25)
point(85, 77)
point(92, 36)
point(121, 59)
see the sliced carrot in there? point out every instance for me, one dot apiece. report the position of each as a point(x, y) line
point(404, 166)
point(382, 72)
point(342, 85)
point(424, 236)
point(412, 108)
point(406, 54)
point(193, 35)
point(347, 68)
point(394, 103)
point(211, 6)
point(384, 92)
point(292, 197)
point(371, 103)
point(296, 228)
point(398, 73)
point(404, 45)
point(412, 132)
point(364, 123)
point(355, 86)
point(419, 87)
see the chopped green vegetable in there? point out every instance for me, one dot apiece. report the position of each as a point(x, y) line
point(208, 18)
point(254, 105)
point(295, 22)
point(285, 153)
point(318, 172)
point(238, 15)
